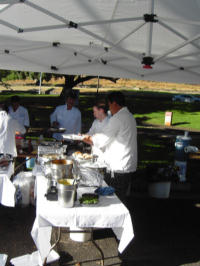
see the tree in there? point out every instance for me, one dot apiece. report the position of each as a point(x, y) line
point(73, 80)
point(3, 74)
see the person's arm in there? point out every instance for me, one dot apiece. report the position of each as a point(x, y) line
point(100, 140)
point(53, 118)
point(78, 124)
point(18, 127)
point(92, 129)
point(26, 119)
point(88, 139)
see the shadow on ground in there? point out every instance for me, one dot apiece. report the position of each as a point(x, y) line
point(167, 233)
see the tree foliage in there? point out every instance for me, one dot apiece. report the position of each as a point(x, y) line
point(70, 80)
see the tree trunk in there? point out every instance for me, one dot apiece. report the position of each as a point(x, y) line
point(68, 86)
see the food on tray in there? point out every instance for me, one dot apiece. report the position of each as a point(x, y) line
point(82, 156)
point(89, 198)
point(4, 163)
point(64, 182)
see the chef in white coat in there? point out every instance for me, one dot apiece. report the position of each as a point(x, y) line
point(66, 116)
point(119, 142)
point(100, 110)
point(19, 112)
point(8, 127)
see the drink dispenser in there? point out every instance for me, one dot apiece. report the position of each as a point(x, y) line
point(180, 154)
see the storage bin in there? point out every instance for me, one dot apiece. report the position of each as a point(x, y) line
point(160, 189)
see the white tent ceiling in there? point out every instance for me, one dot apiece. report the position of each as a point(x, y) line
point(103, 38)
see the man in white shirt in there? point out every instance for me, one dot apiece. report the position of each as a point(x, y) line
point(119, 140)
point(19, 112)
point(8, 128)
point(66, 116)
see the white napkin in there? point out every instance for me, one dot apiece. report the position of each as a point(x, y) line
point(3, 259)
point(7, 192)
point(34, 259)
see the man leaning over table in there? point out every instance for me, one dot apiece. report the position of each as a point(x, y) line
point(66, 116)
point(119, 142)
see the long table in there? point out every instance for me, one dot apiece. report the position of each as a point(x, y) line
point(7, 189)
point(110, 212)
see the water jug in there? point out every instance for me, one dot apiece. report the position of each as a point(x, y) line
point(180, 144)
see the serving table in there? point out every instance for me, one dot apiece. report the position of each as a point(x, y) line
point(7, 189)
point(110, 212)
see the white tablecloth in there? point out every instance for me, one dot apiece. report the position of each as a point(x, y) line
point(109, 213)
point(7, 189)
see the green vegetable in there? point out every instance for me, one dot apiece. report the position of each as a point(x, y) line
point(89, 198)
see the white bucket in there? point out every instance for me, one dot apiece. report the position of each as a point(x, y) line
point(80, 235)
point(159, 189)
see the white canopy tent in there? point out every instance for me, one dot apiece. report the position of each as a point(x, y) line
point(138, 39)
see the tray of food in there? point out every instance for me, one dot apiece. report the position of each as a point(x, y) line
point(89, 199)
point(79, 156)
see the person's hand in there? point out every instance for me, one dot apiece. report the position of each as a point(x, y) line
point(55, 124)
point(88, 139)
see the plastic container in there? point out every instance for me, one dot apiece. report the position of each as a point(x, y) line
point(24, 183)
point(80, 235)
point(160, 189)
point(180, 144)
point(182, 168)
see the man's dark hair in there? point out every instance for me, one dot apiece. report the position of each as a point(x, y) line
point(4, 106)
point(101, 103)
point(118, 97)
point(15, 99)
point(72, 95)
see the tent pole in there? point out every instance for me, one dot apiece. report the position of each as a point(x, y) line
point(170, 51)
point(40, 82)
point(97, 84)
point(150, 30)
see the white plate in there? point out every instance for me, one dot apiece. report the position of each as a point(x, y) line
point(57, 130)
point(72, 137)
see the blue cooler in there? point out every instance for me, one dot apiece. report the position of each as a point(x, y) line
point(180, 144)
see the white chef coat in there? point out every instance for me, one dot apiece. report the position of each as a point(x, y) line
point(21, 115)
point(98, 126)
point(8, 127)
point(68, 119)
point(119, 141)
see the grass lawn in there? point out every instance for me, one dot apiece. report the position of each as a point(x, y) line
point(188, 120)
